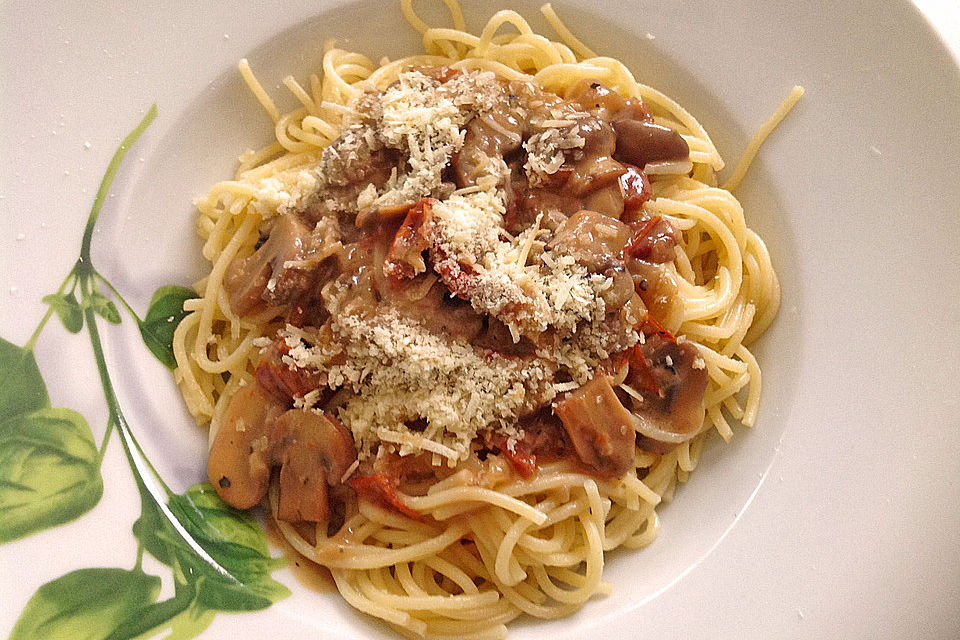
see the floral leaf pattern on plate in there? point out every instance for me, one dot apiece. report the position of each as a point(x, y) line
point(49, 471)
point(67, 309)
point(22, 389)
point(87, 603)
point(240, 580)
point(104, 307)
point(163, 315)
point(50, 474)
point(49, 463)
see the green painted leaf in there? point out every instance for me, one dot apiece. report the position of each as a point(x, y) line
point(89, 603)
point(104, 307)
point(218, 521)
point(235, 540)
point(178, 618)
point(232, 538)
point(191, 623)
point(67, 309)
point(49, 471)
point(150, 529)
point(163, 316)
point(21, 386)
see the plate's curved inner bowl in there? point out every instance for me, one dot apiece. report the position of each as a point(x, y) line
point(156, 244)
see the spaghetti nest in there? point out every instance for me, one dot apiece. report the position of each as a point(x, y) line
point(480, 554)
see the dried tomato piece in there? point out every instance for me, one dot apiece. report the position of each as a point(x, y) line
point(635, 188)
point(523, 462)
point(380, 489)
point(285, 382)
point(405, 258)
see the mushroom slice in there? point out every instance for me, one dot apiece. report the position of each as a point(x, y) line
point(592, 238)
point(640, 142)
point(239, 462)
point(264, 275)
point(600, 427)
point(313, 450)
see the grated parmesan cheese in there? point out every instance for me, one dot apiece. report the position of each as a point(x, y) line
point(490, 269)
point(545, 151)
point(418, 116)
point(390, 370)
point(277, 194)
point(400, 372)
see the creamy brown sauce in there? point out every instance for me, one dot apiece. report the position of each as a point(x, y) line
point(581, 182)
point(308, 573)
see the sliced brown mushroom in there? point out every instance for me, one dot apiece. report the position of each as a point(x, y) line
point(592, 238)
point(596, 96)
point(488, 138)
point(640, 142)
point(671, 377)
point(239, 461)
point(607, 200)
point(600, 427)
point(248, 280)
point(313, 450)
point(529, 202)
point(595, 166)
point(659, 291)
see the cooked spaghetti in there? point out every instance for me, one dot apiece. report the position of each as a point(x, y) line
point(470, 320)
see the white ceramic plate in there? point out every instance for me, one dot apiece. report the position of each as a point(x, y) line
point(837, 516)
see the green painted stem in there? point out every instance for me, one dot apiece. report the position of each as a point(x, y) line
point(148, 480)
point(155, 617)
point(143, 472)
point(111, 424)
point(70, 280)
point(119, 297)
point(31, 343)
point(108, 180)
